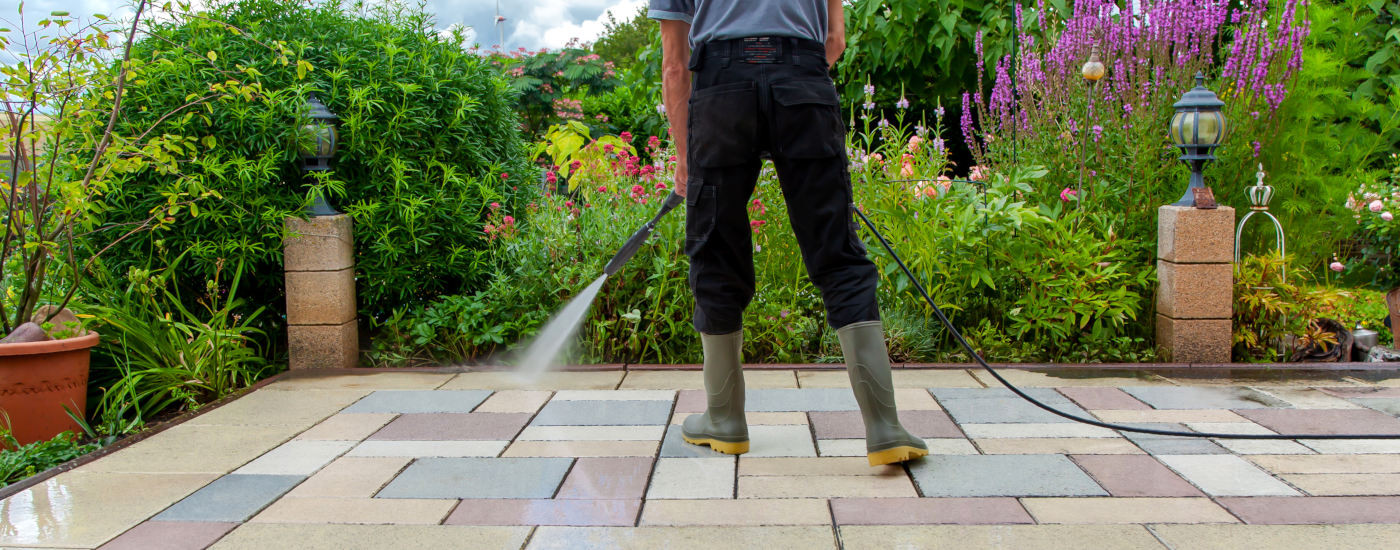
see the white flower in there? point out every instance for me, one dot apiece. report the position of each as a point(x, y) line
point(869, 105)
point(1376, 206)
point(869, 89)
point(661, 108)
point(902, 103)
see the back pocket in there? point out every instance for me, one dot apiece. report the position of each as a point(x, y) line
point(807, 119)
point(723, 124)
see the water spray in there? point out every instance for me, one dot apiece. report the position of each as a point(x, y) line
point(634, 243)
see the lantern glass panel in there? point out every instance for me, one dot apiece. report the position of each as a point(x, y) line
point(1181, 130)
point(321, 139)
point(1211, 126)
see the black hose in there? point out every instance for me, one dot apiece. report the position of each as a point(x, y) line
point(938, 312)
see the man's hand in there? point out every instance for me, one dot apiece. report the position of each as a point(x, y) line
point(675, 91)
point(835, 31)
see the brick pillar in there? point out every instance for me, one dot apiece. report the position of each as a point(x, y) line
point(320, 277)
point(1195, 283)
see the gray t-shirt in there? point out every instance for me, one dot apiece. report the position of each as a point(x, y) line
point(725, 19)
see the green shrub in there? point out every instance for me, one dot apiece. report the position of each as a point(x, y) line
point(427, 140)
point(20, 461)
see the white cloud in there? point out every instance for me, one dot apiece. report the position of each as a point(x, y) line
point(554, 27)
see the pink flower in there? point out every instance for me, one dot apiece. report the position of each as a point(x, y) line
point(914, 142)
point(1068, 194)
point(626, 136)
point(653, 142)
point(508, 220)
point(602, 189)
point(550, 178)
point(660, 185)
point(977, 174)
point(1337, 266)
point(495, 206)
point(906, 170)
point(575, 164)
point(1387, 216)
point(505, 176)
point(569, 204)
point(608, 148)
point(1376, 206)
point(637, 190)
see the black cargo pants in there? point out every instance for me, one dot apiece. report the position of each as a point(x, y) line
point(771, 95)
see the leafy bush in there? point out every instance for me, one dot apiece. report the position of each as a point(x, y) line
point(551, 85)
point(1375, 207)
point(427, 140)
point(20, 461)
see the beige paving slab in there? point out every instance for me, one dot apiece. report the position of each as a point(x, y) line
point(371, 380)
point(1058, 445)
point(691, 478)
point(301, 458)
point(515, 401)
point(1330, 464)
point(1345, 484)
point(1053, 429)
point(561, 380)
point(856, 447)
point(1249, 446)
point(694, 380)
point(758, 418)
point(1037, 379)
point(1101, 510)
point(1169, 416)
point(1359, 446)
point(194, 449)
point(310, 536)
point(266, 407)
point(1282, 381)
point(388, 511)
point(422, 449)
point(351, 477)
point(825, 486)
point(1274, 537)
point(683, 538)
point(921, 379)
point(582, 448)
point(615, 395)
point(1309, 398)
point(347, 427)
point(976, 537)
point(825, 466)
point(789, 511)
point(592, 433)
point(915, 399)
point(86, 509)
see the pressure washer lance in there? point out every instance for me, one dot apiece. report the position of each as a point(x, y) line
point(634, 243)
point(938, 312)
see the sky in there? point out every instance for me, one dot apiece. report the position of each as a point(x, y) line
point(530, 24)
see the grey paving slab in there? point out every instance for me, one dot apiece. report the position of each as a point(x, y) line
point(1387, 406)
point(1172, 445)
point(805, 400)
point(1205, 397)
point(675, 447)
point(479, 478)
point(427, 401)
point(1006, 410)
point(1002, 476)
point(234, 497)
point(603, 413)
point(1047, 395)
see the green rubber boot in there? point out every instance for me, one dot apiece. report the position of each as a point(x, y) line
point(868, 364)
point(722, 426)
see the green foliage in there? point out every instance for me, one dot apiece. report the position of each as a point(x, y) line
point(1379, 238)
point(622, 40)
point(20, 461)
point(550, 85)
point(427, 138)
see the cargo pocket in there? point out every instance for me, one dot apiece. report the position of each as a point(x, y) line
point(807, 119)
point(723, 124)
point(699, 215)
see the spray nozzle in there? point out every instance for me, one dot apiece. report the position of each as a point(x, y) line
point(634, 243)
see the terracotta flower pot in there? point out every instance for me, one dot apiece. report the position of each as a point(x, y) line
point(38, 378)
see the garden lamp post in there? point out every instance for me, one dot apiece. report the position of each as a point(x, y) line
point(1197, 128)
point(317, 152)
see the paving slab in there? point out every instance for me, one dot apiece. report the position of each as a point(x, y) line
point(611, 478)
point(170, 535)
point(386, 511)
point(1293, 537)
point(1002, 410)
point(453, 427)
point(615, 395)
point(479, 478)
point(1001, 475)
point(546, 512)
point(833, 486)
point(757, 418)
point(1248, 446)
point(405, 401)
point(422, 449)
point(901, 377)
point(592, 433)
point(1345, 484)
point(780, 441)
point(1071, 377)
point(296, 458)
point(558, 380)
point(1315, 422)
point(194, 449)
point(825, 466)
point(801, 400)
point(682, 538)
point(1226, 475)
point(369, 379)
point(85, 509)
point(1329, 464)
point(351, 477)
point(690, 478)
point(964, 537)
point(1126, 510)
point(849, 424)
point(729, 512)
point(673, 446)
point(1390, 406)
point(300, 408)
point(514, 401)
point(1171, 445)
point(1309, 398)
point(1155, 416)
point(925, 511)
point(310, 536)
point(1314, 510)
point(1362, 391)
point(1190, 397)
point(581, 448)
point(1355, 446)
point(1135, 476)
point(695, 380)
point(232, 498)
point(603, 413)
point(1045, 395)
point(347, 427)
point(1057, 445)
point(1092, 398)
point(1024, 430)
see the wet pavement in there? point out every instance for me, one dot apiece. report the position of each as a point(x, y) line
point(593, 459)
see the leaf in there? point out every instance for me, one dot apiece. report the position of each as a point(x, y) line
point(211, 56)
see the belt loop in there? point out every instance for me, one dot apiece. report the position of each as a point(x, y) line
point(729, 47)
point(793, 57)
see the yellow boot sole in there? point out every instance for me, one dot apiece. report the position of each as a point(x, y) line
point(891, 456)
point(725, 447)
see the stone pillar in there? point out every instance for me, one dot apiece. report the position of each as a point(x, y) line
point(1392, 301)
point(320, 277)
point(1195, 283)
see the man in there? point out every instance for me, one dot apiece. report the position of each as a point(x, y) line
point(756, 82)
